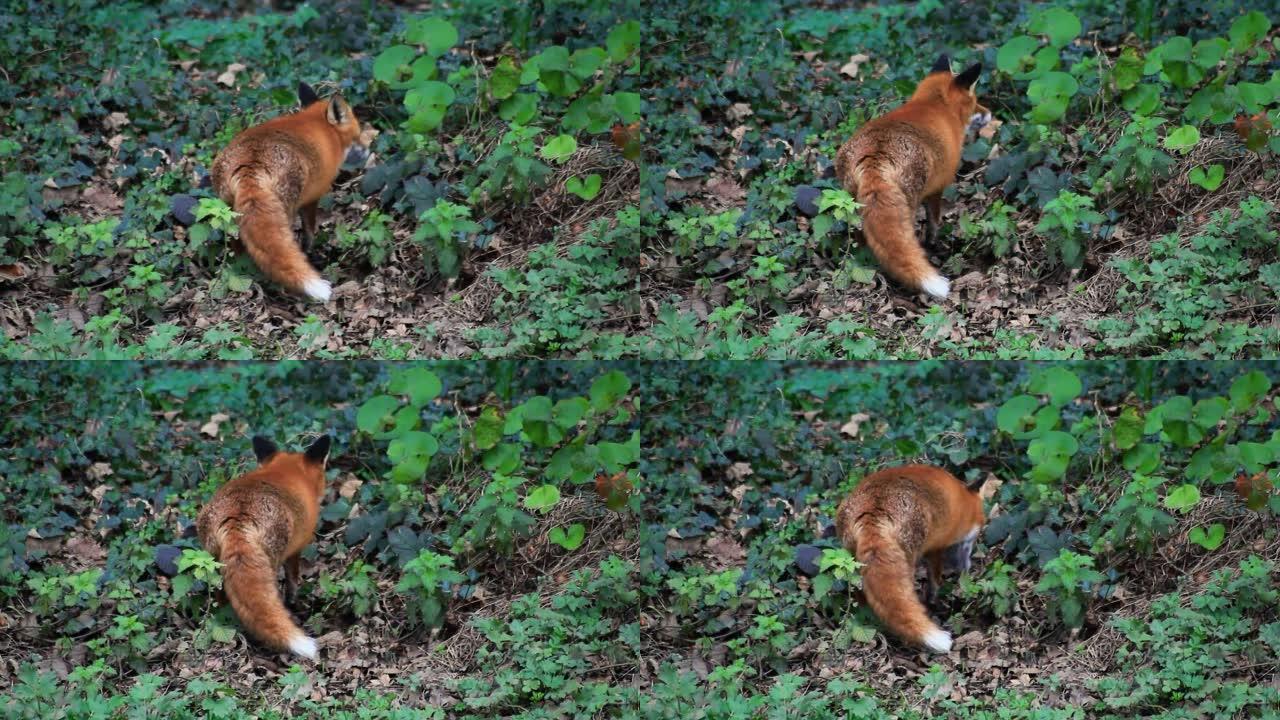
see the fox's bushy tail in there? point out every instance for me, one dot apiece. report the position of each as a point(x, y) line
point(249, 580)
point(266, 229)
point(888, 223)
point(888, 583)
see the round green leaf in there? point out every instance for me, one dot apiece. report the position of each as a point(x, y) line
point(1248, 30)
point(375, 412)
point(392, 64)
point(1062, 26)
point(585, 188)
point(519, 109)
point(608, 389)
point(623, 40)
point(1142, 99)
point(559, 148)
point(436, 34)
point(1209, 540)
point(570, 539)
point(1182, 498)
point(1015, 52)
point(1210, 179)
point(504, 80)
point(1182, 139)
point(1013, 414)
point(431, 94)
point(542, 498)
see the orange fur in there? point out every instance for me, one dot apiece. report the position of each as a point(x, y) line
point(257, 522)
point(282, 167)
point(893, 518)
point(903, 158)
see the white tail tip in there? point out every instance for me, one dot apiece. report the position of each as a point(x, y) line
point(306, 647)
point(318, 289)
point(938, 640)
point(937, 286)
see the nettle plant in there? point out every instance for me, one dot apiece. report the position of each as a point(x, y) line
point(547, 103)
point(561, 442)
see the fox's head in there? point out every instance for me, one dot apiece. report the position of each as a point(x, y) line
point(336, 111)
point(957, 91)
point(309, 464)
point(974, 517)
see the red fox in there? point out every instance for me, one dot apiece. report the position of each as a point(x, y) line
point(891, 518)
point(905, 156)
point(257, 522)
point(284, 166)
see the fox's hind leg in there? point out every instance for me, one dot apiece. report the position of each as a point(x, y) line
point(308, 215)
point(292, 575)
point(933, 561)
point(933, 215)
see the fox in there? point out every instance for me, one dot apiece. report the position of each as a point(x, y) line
point(282, 167)
point(259, 521)
point(891, 519)
point(904, 157)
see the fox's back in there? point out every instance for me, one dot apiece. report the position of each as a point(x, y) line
point(923, 507)
point(274, 512)
point(298, 155)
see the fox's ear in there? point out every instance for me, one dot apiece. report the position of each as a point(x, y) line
point(319, 450)
point(338, 111)
point(307, 94)
point(966, 79)
point(942, 63)
point(263, 447)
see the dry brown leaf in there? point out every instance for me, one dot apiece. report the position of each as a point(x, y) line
point(855, 61)
point(211, 428)
point(854, 425)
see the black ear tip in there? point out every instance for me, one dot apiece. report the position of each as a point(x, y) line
point(319, 449)
point(969, 76)
point(942, 63)
point(263, 448)
point(306, 94)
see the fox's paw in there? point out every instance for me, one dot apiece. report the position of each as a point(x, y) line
point(937, 286)
point(938, 640)
point(318, 289)
point(977, 120)
point(306, 647)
